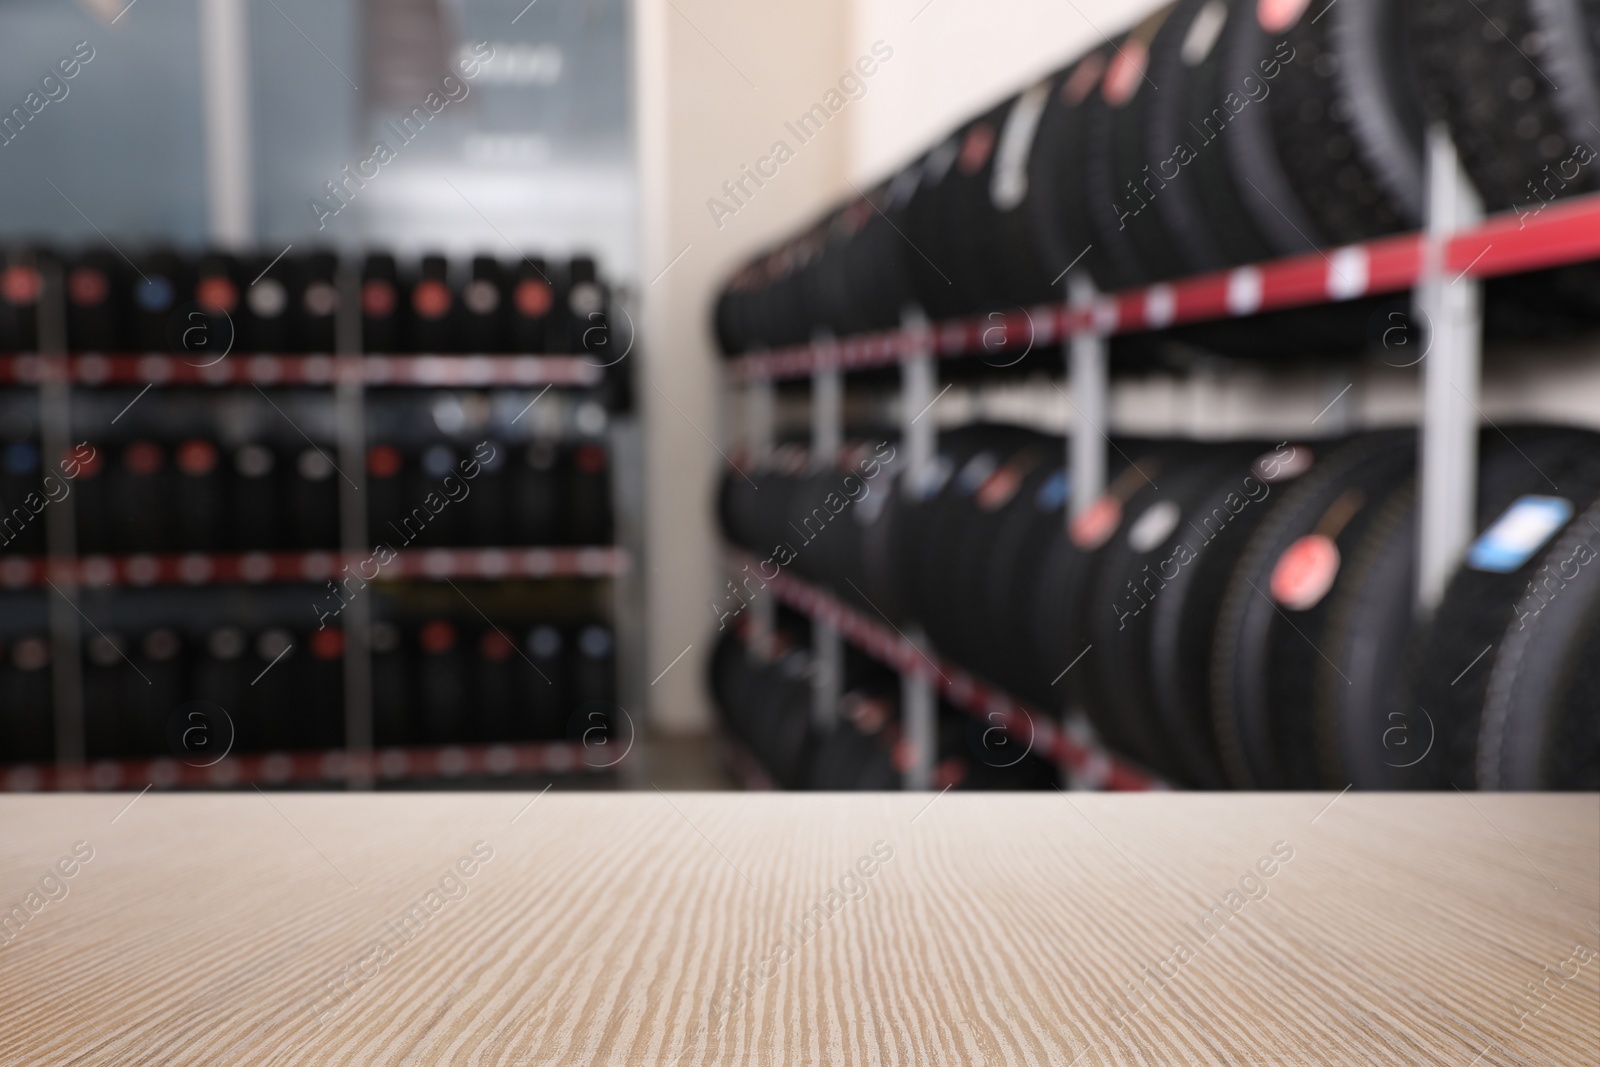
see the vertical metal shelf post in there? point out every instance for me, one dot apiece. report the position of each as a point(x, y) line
point(919, 709)
point(1451, 310)
point(1089, 395)
point(827, 438)
point(61, 539)
point(350, 419)
point(761, 415)
point(624, 592)
point(1088, 383)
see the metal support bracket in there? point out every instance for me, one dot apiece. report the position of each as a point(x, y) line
point(1451, 310)
point(1089, 385)
point(351, 421)
point(919, 708)
point(761, 416)
point(60, 528)
point(827, 438)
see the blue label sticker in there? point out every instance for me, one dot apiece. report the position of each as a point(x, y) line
point(154, 293)
point(1525, 528)
point(976, 472)
point(932, 479)
point(22, 457)
point(1052, 495)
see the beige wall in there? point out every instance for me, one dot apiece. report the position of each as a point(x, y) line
point(717, 81)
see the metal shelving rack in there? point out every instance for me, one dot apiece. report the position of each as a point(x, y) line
point(349, 372)
point(1444, 266)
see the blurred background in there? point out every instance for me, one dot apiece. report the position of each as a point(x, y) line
point(285, 94)
point(420, 393)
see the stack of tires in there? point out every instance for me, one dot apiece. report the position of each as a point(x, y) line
point(766, 704)
point(1235, 614)
point(1212, 134)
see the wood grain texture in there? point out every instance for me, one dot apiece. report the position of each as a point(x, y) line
point(1004, 929)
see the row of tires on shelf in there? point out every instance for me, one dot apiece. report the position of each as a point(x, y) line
point(764, 700)
point(1214, 133)
point(203, 305)
point(1235, 614)
point(435, 682)
point(197, 495)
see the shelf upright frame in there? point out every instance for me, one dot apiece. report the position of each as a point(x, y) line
point(827, 438)
point(919, 436)
point(61, 542)
point(624, 592)
point(350, 418)
point(1088, 384)
point(1089, 394)
point(1451, 310)
point(761, 418)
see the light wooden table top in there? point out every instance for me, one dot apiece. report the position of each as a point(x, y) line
point(1000, 929)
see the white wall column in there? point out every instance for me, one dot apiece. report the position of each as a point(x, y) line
point(225, 85)
point(715, 83)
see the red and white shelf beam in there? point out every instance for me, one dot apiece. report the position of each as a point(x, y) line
point(1090, 764)
point(334, 766)
point(315, 370)
point(1558, 235)
point(258, 568)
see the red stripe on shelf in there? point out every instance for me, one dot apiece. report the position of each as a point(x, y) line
point(1118, 312)
point(600, 561)
point(1546, 236)
point(1296, 281)
point(335, 765)
point(1070, 320)
point(1198, 299)
point(1555, 235)
point(1393, 263)
point(121, 368)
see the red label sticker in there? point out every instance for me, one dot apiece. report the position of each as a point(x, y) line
point(1076, 89)
point(438, 636)
point(976, 148)
point(20, 285)
point(1097, 523)
point(87, 286)
point(87, 468)
point(1275, 16)
point(430, 299)
point(495, 646)
point(383, 461)
point(142, 457)
point(1125, 73)
point(1000, 487)
point(327, 643)
point(1305, 572)
point(198, 456)
point(377, 299)
point(533, 298)
point(217, 294)
point(949, 773)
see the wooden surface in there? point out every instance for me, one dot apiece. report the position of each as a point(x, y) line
point(1002, 930)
